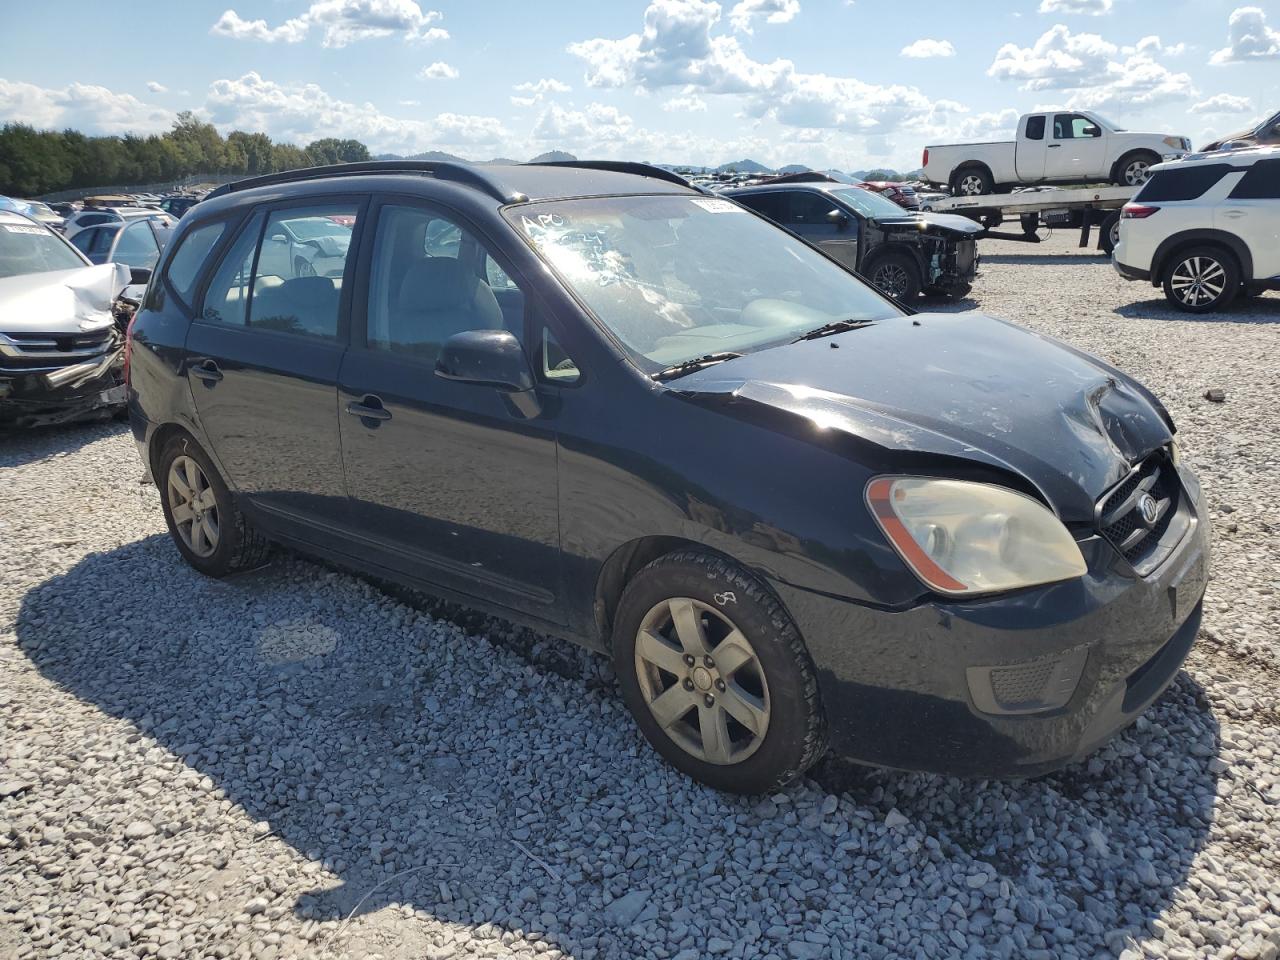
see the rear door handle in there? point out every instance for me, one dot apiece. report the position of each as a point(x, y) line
point(369, 408)
point(1054, 146)
point(206, 370)
point(1234, 214)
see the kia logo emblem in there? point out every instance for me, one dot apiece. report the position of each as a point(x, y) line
point(1149, 509)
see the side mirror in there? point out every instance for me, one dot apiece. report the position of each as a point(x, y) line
point(139, 275)
point(279, 238)
point(1092, 132)
point(839, 219)
point(490, 358)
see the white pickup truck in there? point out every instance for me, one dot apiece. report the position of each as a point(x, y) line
point(1057, 147)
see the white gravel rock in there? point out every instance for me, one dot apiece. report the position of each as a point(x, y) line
point(294, 763)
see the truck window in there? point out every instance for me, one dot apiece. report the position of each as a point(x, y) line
point(1035, 128)
point(1072, 126)
point(1187, 184)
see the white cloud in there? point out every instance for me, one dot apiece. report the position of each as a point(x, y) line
point(1224, 103)
point(300, 113)
point(1248, 38)
point(1094, 73)
point(439, 71)
point(537, 90)
point(341, 22)
point(597, 124)
point(926, 48)
point(771, 11)
point(1091, 8)
point(91, 109)
point(679, 46)
point(155, 86)
point(1154, 45)
point(685, 104)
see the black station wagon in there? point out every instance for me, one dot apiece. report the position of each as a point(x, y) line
point(596, 401)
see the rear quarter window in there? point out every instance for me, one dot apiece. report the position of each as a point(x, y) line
point(187, 261)
point(1262, 182)
point(1187, 184)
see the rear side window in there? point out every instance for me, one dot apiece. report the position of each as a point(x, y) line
point(1035, 128)
point(1262, 182)
point(1186, 184)
point(227, 299)
point(188, 259)
point(771, 205)
point(297, 283)
point(807, 209)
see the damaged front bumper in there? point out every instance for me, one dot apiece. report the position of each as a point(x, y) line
point(87, 389)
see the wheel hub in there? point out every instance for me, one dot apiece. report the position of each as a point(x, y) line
point(702, 678)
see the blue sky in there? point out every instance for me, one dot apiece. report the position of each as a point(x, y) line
point(821, 82)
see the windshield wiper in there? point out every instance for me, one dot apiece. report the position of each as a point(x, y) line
point(697, 363)
point(835, 326)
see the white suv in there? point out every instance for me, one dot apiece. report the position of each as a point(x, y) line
point(1206, 227)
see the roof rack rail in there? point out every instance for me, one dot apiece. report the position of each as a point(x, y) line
point(463, 173)
point(620, 166)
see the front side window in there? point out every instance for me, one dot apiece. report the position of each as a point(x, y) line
point(431, 278)
point(137, 246)
point(868, 203)
point(28, 248)
point(677, 277)
point(1072, 126)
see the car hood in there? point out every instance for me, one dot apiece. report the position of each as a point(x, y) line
point(75, 301)
point(945, 224)
point(961, 386)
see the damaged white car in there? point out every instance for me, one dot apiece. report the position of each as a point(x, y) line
point(61, 328)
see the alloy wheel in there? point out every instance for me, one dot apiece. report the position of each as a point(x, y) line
point(1197, 281)
point(702, 681)
point(193, 506)
point(892, 280)
point(971, 186)
point(1137, 173)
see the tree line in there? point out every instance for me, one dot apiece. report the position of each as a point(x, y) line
point(34, 162)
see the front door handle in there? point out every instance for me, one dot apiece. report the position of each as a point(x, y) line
point(1234, 214)
point(1054, 146)
point(369, 408)
point(206, 370)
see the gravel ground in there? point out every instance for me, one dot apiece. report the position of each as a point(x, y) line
point(294, 763)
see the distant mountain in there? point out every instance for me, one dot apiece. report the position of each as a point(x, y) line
point(438, 156)
point(794, 168)
point(743, 166)
point(887, 173)
point(553, 156)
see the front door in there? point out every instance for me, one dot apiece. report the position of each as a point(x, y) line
point(1252, 213)
point(262, 360)
point(1077, 151)
point(449, 483)
point(817, 218)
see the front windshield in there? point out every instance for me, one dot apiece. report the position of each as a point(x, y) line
point(30, 248)
point(869, 203)
point(677, 277)
point(312, 228)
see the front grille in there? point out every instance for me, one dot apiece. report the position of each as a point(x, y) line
point(32, 352)
point(1120, 513)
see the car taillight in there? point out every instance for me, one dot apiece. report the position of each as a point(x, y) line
point(1136, 211)
point(924, 161)
point(128, 347)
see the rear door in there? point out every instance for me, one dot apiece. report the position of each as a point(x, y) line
point(1029, 154)
point(449, 483)
point(1077, 149)
point(1252, 212)
point(262, 359)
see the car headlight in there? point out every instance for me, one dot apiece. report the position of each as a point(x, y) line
point(963, 538)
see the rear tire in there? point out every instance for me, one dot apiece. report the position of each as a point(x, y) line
point(1201, 279)
point(206, 525)
point(897, 276)
point(1109, 233)
point(699, 642)
point(972, 182)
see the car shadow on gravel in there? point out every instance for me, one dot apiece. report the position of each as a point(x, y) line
point(20, 447)
point(344, 724)
point(1262, 309)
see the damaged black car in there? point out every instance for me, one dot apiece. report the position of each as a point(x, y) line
point(904, 254)
point(595, 401)
point(62, 323)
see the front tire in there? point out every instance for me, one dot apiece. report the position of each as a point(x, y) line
point(716, 675)
point(1133, 170)
point(897, 276)
point(206, 525)
point(1202, 279)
